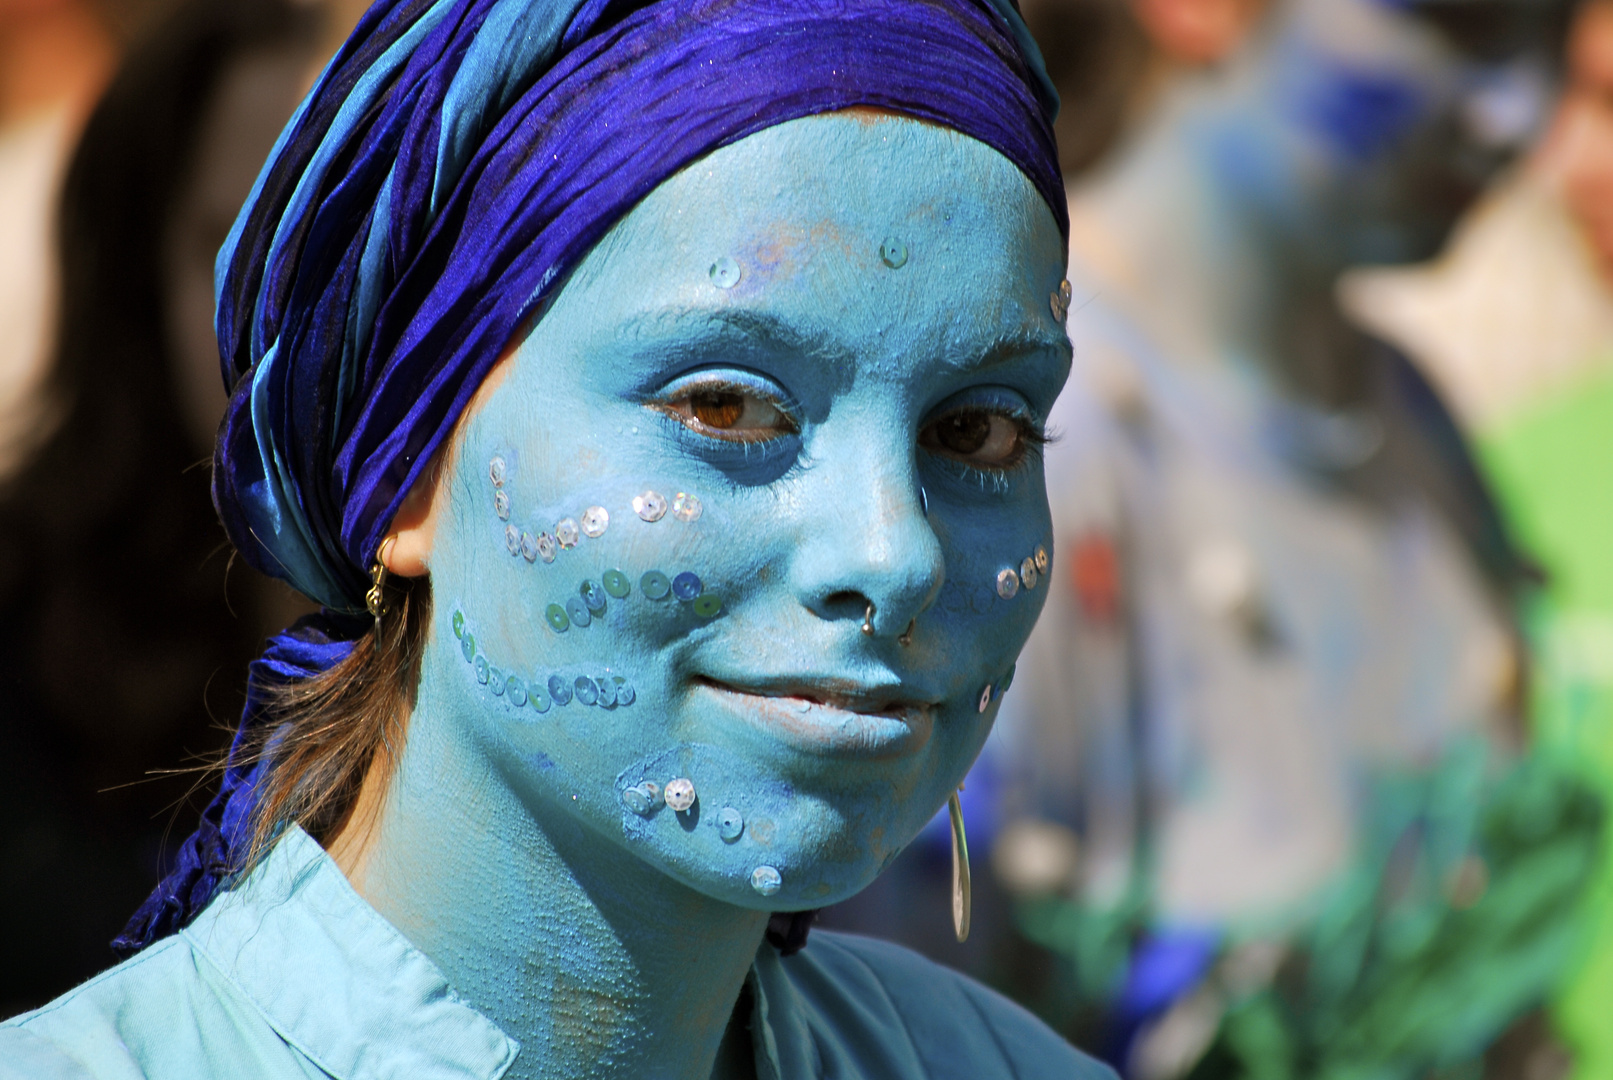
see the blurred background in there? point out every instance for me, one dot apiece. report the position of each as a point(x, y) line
point(1304, 773)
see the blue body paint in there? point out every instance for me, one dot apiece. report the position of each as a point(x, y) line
point(888, 273)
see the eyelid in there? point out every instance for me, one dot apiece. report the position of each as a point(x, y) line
point(731, 381)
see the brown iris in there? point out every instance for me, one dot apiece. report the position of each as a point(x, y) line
point(720, 409)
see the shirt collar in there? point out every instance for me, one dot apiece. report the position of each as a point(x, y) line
point(339, 982)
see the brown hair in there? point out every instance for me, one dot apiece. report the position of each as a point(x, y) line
point(322, 736)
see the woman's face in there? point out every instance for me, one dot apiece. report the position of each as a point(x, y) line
point(798, 389)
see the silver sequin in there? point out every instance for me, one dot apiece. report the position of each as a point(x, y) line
point(595, 519)
point(529, 547)
point(497, 471)
point(680, 794)
point(566, 532)
point(1041, 558)
point(1007, 583)
point(546, 547)
point(512, 539)
point(686, 507)
point(766, 880)
point(651, 506)
point(985, 699)
point(1028, 574)
point(501, 505)
point(725, 273)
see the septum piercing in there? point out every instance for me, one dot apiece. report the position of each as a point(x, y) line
point(906, 637)
point(868, 621)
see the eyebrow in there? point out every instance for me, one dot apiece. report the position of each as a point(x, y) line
point(764, 328)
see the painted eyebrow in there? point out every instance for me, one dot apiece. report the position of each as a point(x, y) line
point(727, 325)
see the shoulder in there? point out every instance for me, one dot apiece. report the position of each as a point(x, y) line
point(162, 1012)
point(951, 1025)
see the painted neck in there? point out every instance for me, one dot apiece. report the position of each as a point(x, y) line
point(596, 963)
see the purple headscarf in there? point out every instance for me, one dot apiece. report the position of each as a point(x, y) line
point(454, 162)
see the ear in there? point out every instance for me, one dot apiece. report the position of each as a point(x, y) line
point(414, 527)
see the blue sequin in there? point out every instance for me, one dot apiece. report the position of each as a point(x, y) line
point(557, 619)
point(559, 690)
point(624, 691)
point(537, 696)
point(593, 596)
point(616, 583)
point(515, 690)
point(495, 681)
point(686, 586)
point(578, 611)
point(587, 692)
point(467, 645)
point(481, 669)
point(607, 690)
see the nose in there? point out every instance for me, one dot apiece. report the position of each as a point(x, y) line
point(867, 554)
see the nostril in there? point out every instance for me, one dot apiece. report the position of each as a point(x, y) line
point(845, 604)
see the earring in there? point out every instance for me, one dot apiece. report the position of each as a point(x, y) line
point(868, 621)
point(906, 637)
point(375, 599)
point(960, 869)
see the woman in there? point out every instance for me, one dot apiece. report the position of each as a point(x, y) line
point(685, 363)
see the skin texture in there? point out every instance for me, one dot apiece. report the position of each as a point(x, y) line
point(613, 944)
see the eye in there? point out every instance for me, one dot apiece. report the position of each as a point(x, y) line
point(981, 437)
point(729, 411)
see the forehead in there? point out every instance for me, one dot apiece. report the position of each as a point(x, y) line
point(875, 233)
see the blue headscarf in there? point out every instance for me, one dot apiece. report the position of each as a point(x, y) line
point(453, 163)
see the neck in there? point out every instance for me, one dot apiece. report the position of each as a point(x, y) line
point(595, 962)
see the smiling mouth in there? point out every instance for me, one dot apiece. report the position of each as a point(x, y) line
point(830, 717)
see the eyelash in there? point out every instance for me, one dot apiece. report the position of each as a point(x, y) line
point(718, 385)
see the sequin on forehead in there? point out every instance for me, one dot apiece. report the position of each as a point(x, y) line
point(725, 273)
point(1007, 583)
point(566, 532)
point(651, 506)
point(686, 507)
point(595, 520)
point(766, 880)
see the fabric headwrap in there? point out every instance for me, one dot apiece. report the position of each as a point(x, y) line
point(454, 162)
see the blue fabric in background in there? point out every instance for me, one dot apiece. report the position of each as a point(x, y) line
point(455, 160)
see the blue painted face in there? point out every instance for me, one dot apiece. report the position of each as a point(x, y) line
point(795, 393)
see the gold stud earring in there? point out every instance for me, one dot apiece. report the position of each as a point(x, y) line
point(960, 869)
point(375, 599)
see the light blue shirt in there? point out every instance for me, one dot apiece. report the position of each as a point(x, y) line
point(292, 975)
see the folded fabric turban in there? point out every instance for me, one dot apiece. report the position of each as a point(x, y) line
point(453, 163)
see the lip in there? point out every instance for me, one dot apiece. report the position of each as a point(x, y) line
point(831, 717)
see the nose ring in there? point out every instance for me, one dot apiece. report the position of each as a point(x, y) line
point(868, 621)
point(906, 637)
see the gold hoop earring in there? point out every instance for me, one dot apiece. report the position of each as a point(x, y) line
point(868, 621)
point(960, 869)
point(375, 599)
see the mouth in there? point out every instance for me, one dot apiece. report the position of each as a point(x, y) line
point(831, 717)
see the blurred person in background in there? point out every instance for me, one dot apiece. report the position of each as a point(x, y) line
point(167, 158)
point(1514, 324)
point(1258, 772)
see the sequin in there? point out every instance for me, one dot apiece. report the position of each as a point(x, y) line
point(725, 273)
point(1059, 305)
point(1041, 558)
point(1065, 292)
point(537, 696)
point(529, 547)
point(616, 583)
point(607, 690)
point(512, 539)
point(515, 690)
point(578, 611)
point(1007, 583)
point(985, 699)
point(587, 692)
point(497, 471)
point(643, 799)
point(481, 669)
point(679, 794)
point(1028, 573)
point(730, 824)
point(546, 547)
point(595, 520)
point(766, 880)
point(686, 507)
point(559, 690)
point(467, 645)
point(495, 680)
point(624, 691)
point(565, 532)
point(893, 253)
point(459, 624)
point(1008, 680)
point(686, 586)
point(707, 605)
point(655, 585)
point(556, 615)
point(501, 505)
point(651, 506)
point(593, 596)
